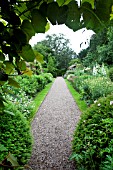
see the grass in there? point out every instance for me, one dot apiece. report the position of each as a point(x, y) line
point(39, 99)
point(77, 97)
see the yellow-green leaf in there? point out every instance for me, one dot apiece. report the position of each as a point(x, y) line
point(47, 27)
point(9, 67)
point(12, 159)
point(12, 82)
point(39, 57)
point(27, 72)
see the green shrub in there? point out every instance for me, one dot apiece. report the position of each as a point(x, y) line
point(79, 82)
point(96, 88)
point(48, 77)
point(93, 137)
point(110, 73)
point(15, 134)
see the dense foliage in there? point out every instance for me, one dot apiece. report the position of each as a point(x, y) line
point(19, 21)
point(100, 49)
point(93, 138)
point(15, 134)
point(30, 86)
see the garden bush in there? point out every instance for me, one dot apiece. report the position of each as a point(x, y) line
point(95, 88)
point(15, 134)
point(92, 88)
point(93, 138)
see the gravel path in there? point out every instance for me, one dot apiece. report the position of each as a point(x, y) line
point(53, 129)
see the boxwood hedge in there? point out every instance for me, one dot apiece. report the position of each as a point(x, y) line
point(15, 134)
point(93, 137)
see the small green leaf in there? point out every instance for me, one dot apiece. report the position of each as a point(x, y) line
point(60, 2)
point(38, 21)
point(2, 148)
point(73, 18)
point(27, 53)
point(12, 159)
point(12, 82)
point(28, 29)
point(47, 27)
point(53, 9)
point(9, 67)
point(59, 14)
point(39, 57)
point(21, 65)
point(11, 113)
point(27, 72)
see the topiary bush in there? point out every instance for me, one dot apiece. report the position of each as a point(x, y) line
point(93, 138)
point(110, 73)
point(15, 134)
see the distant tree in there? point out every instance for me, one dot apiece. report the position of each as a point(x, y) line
point(58, 47)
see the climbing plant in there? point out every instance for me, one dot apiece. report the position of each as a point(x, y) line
point(21, 19)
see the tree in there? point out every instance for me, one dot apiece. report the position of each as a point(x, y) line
point(100, 49)
point(58, 47)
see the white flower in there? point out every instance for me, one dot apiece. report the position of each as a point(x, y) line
point(98, 104)
point(111, 102)
point(95, 101)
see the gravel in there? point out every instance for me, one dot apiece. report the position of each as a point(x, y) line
point(53, 129)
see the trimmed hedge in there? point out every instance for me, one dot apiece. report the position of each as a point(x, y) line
point(15, 134)
point(93, 137)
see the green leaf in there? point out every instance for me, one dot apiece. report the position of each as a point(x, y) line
point(74, 15)
point(90, 19)
point(60, 2)
point(2, 98)
point(11, 113)
point(59, 14)
point(28, 29)
point(89, 1)
point(27, 72)
point(12, 159)
point(12, 82)
point(19, 10)
point(2, 148)
point(103, 10)
point(20, 36)
point(39, 57)
point(52, 12)
point(21, 65)
point(27, 53)
point(9, 67)
point(47, 27)
point(38, 21)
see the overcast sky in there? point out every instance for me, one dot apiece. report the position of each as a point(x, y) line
point(76, 38)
